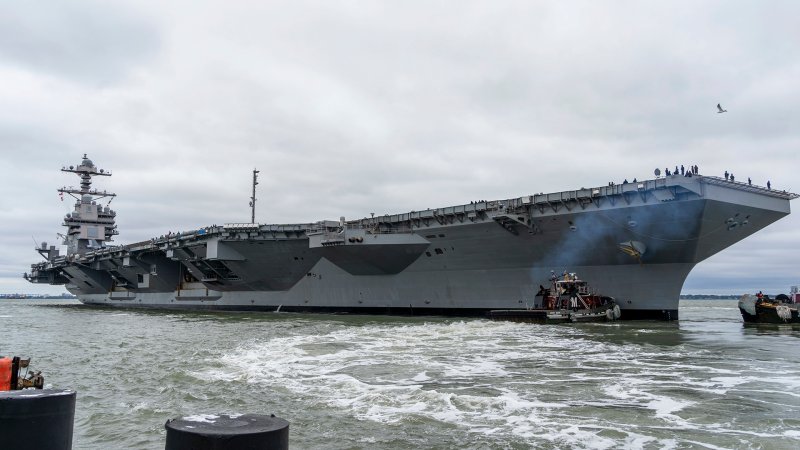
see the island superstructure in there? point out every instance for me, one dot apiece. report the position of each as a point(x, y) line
point(636, 242)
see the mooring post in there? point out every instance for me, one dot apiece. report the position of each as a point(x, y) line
point(37, 418)
point(227, 432)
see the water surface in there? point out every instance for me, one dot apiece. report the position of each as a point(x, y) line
point(352, 382)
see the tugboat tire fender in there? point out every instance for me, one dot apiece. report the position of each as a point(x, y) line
point(613, 313)
point(784, 312)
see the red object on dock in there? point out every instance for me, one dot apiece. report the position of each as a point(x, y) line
point(5, 374)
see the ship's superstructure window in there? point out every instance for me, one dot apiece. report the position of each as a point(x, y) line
point(438, 251)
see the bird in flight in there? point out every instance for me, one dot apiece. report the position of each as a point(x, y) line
point(720, 110)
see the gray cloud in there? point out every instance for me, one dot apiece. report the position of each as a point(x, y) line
point(353, 108)
point(86, 41)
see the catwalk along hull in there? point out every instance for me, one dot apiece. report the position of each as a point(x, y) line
point(635, 242)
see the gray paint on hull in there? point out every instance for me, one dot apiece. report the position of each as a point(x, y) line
point(495, 262)
point(484, 266)
point(634, 286)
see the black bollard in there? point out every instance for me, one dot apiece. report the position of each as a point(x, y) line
point(37, 418)
point(227, 432)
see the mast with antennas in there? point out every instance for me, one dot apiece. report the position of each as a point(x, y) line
point(90, 225)
point(253, 198)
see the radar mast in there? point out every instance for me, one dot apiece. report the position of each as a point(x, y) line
point(253, 198)
point(89, 225)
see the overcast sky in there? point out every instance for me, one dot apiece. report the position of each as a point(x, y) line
point(349, 108)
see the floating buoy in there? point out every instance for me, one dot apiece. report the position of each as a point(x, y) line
point(227, 432)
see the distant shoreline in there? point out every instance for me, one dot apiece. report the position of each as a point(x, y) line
point(711, 297)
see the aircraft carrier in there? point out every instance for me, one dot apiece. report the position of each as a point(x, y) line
point(636, 242)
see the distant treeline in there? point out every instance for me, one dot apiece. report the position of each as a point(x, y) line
point(711, 297)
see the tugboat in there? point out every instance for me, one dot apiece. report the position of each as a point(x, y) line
point(759, 308)
point(568, 300)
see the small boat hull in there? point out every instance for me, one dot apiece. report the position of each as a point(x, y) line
point(608, 313)
point(768, 311)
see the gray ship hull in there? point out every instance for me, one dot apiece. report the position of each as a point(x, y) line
point(652, 295)
point(634, 242)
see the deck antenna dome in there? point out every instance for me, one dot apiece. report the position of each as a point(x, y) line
point(253, 198)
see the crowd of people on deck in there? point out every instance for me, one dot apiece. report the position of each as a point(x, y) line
point(731, 178)
point(694, 170)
